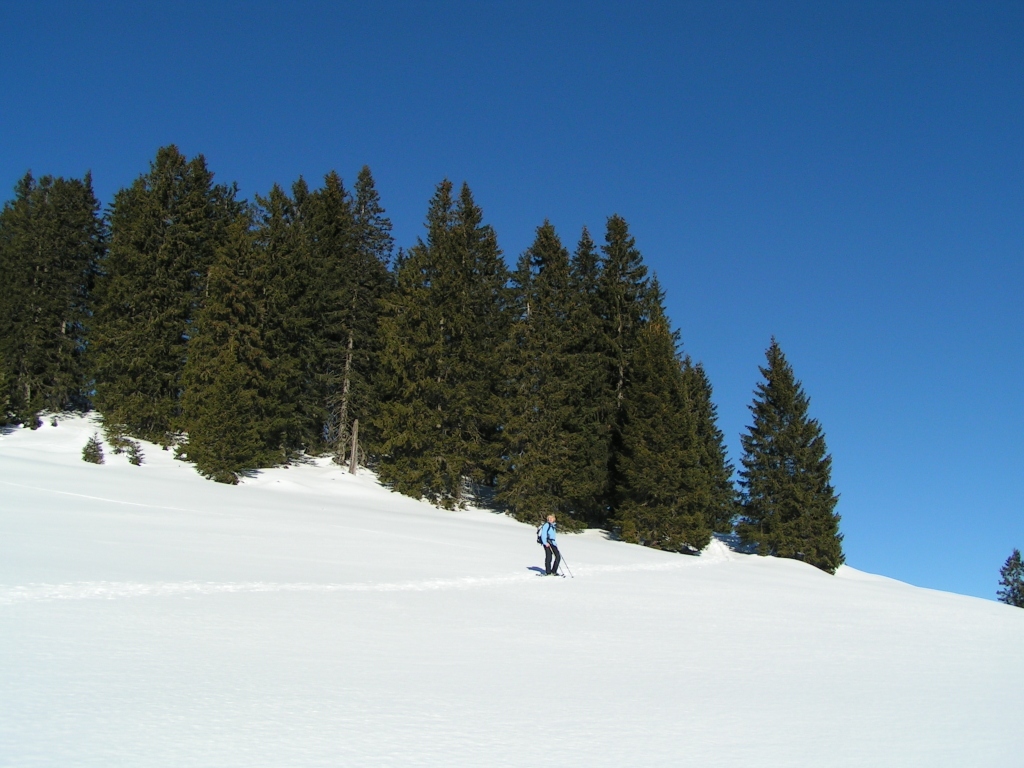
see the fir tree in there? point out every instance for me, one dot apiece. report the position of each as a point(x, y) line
point(1011, 581)
point(51, 241)
point(365, 282)
point(664, 494)
point(93, 451)
point(541, 463)
point(722, 502)
point(622, 300)
point(440, 360)
point(788, 500)
point(228, 404)
point(135, 454)
point(164, 231)
point(324, 301)
point(589, 432)
point(5, 398)
point(270, 267)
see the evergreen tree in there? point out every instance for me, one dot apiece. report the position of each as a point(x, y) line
point(589, 433)
point(664, 494)
point(93, 451)
point(440, 360)
point(541, 463)
point(347, 247)
point(328, 225)
point(51, 240)
point(1011, 581)
point(228, 403)
point(722, 503)
point(277, 281)
point(365, 283)
point(623, 294)
point(164, 231)
point(788, 502)
point(5, 388)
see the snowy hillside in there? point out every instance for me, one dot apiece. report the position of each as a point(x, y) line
point(149, 617)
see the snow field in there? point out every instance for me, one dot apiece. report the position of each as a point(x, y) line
point(307, 617)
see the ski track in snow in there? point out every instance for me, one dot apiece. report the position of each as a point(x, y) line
point(113, 590)
point(101, 498)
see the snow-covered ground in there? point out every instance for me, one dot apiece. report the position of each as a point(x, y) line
point(149, 617)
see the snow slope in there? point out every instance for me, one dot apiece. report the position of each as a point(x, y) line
point(307, 617)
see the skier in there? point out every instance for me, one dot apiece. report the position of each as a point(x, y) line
point(548, 539)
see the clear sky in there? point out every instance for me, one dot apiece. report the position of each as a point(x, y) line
point(846, 176)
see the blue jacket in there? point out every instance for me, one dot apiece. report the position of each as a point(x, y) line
point(548, 534)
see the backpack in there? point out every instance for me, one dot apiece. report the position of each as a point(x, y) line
point(538, 533)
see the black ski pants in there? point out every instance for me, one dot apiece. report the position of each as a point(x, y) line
point(549, 550)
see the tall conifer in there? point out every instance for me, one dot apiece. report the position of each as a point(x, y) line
point(229, 405)
point(1011, 580)
point(788, 499)
point(590, 431)
point(440, 362)
point(541, 460)
point(622, 302)
point(367, 283)
point(664, 491)
point(51, 242)
point(164, 231)
point(722, 501)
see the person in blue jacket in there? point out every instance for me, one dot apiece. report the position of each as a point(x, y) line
point(548, 536)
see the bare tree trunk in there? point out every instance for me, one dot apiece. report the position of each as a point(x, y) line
point(343, 409)
point(355, 448)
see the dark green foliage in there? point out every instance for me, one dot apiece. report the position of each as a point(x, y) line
point(164, 231)
point(229, 407)
point(135, 454)
point(789, 503)
point(93, 451)
point(349, 248)
point(51, 240)
point(589, 433)
point(622, 299)
point(722, 502)
point(665, 492)
point(440, 360)
point(119, 442)
point(542, 421)
point(1011, 581)
point(5, 394)
point(263, 281)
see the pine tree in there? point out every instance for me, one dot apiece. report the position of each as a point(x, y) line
point(51, 241)
point(788, 500)
point(589, 433)
point(325, 302)
point(1011, 581)
point(5, 397)
point(164, 231)
point(365, 283)
point(664, 490)
point(440, 360)
point(93, 451)
point(228, 406)
point(622, 301)
point(540, 461)
point(277, 279)
point(722, 503)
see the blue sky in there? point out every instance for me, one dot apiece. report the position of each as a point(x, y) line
point(847, 177)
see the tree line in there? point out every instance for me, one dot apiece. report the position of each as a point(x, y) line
point(243, 334)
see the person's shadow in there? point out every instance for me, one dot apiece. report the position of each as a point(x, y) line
point(536, 568)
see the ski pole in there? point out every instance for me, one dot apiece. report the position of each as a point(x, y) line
point(567, 567)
